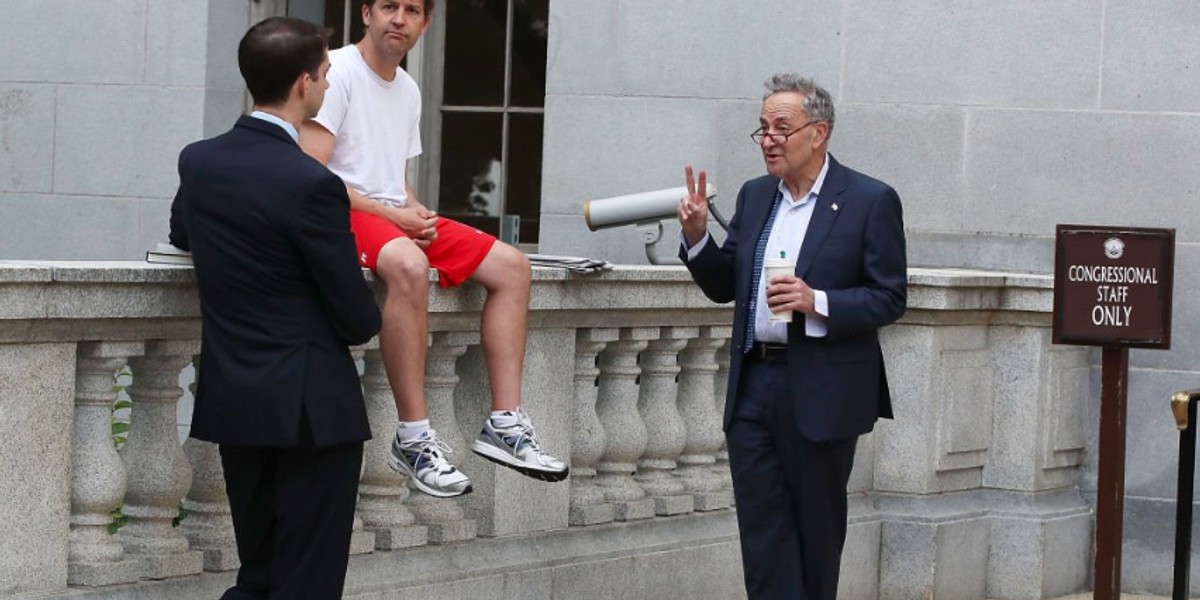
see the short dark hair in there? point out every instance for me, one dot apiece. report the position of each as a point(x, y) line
point(274, 52)
point(428, 5)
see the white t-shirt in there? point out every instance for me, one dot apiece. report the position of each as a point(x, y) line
point(376, 125)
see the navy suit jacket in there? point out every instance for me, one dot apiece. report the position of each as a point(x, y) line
point(856, 255)
point(281, 293)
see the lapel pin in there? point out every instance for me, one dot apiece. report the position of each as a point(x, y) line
point(834, 207)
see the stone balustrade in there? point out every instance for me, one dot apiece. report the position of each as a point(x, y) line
point(971, 493)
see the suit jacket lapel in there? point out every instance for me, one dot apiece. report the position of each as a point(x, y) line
point(823, 217)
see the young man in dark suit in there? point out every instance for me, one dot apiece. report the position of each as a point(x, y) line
point(800, 392)
point(281, 299)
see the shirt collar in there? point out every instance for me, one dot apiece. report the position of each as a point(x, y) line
point(813, 193)
point(270, 118)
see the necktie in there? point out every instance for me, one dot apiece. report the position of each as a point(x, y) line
point(759, 250)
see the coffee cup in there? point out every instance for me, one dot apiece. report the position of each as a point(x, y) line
point(772, 268)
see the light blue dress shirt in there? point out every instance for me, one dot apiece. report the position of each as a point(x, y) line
point(270, 118)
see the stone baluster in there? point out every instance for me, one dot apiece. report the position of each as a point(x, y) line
point(588, 506)
point(720, 386)
point(98, 478)
point(159, 474)
point(445, 518)
point(209, 524)
point(624, 433)
point(382, 491)
point(698, 407)
point(666, 432)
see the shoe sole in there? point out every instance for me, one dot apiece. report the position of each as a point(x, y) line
point(506, 460)
point(420, 485)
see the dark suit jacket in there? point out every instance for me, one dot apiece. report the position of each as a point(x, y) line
point(281, 292)
point(856, 255)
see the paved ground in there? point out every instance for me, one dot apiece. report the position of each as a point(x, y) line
point(1088, 596)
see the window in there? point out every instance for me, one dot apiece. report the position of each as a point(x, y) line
point(482, 71)
point(335, 15)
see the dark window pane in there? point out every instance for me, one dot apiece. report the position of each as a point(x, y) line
point(475, 38)
point(335, 19)
point(357, 29)
point(312, 11)
point(470, 168)
point(523, 193)
point(531, 20)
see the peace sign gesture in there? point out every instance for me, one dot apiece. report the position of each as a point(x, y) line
point(693, 208)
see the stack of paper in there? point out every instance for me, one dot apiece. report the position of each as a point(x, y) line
point(573, 264)
point(167, 254)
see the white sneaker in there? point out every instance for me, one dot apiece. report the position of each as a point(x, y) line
point(423, 460)
point(517, 448)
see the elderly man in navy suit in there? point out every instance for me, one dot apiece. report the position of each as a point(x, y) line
point(800, 392)
point(281, 300)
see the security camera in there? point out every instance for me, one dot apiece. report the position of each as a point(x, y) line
point(646, 210)
point(646, 207)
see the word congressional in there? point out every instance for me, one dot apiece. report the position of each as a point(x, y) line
point(1111, 274)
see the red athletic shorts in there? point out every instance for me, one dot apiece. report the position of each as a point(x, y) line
point(456, 251)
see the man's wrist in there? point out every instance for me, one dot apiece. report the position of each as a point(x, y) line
point(392, 213)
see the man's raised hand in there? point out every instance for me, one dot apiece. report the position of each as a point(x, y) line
point(693, 208)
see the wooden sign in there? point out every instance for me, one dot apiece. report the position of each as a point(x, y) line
point(1112, 286)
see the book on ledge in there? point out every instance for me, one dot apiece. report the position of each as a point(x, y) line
point(166, 254)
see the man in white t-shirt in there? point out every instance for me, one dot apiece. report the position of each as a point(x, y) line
point(366, 131)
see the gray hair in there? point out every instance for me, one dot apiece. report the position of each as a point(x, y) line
point(817, 105)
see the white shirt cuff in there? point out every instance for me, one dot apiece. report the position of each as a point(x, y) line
point(817, 325)
point(694, 251)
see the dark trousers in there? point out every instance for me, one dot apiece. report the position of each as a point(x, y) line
point(790, 492)
point(293, 511)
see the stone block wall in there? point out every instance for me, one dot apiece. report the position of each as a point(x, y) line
point(96, 100)
point(993, 121)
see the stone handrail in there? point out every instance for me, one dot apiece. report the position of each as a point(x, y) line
point(624, 373)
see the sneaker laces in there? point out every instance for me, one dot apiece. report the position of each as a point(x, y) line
point(435, 449)
point(525, 432)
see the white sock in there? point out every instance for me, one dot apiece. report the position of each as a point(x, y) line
point(504, 418)
point(411, 430)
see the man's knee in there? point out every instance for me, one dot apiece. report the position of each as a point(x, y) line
point(508, 266)
point(402, 263)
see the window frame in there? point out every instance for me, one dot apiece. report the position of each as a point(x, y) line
point(432, 81)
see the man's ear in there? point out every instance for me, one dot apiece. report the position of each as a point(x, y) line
point(303, 83)
point(822, 136)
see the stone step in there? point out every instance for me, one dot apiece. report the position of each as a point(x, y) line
point(691, 556)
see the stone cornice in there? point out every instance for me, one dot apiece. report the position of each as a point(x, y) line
point(50, 300)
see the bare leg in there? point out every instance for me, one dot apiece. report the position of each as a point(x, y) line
point(506, 275)
point(405, 334)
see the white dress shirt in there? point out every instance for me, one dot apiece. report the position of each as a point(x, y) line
point(787, 236)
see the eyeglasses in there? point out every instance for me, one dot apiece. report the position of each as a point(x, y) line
point(779, 138)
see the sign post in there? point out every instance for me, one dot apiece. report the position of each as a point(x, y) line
point(1112, 288)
